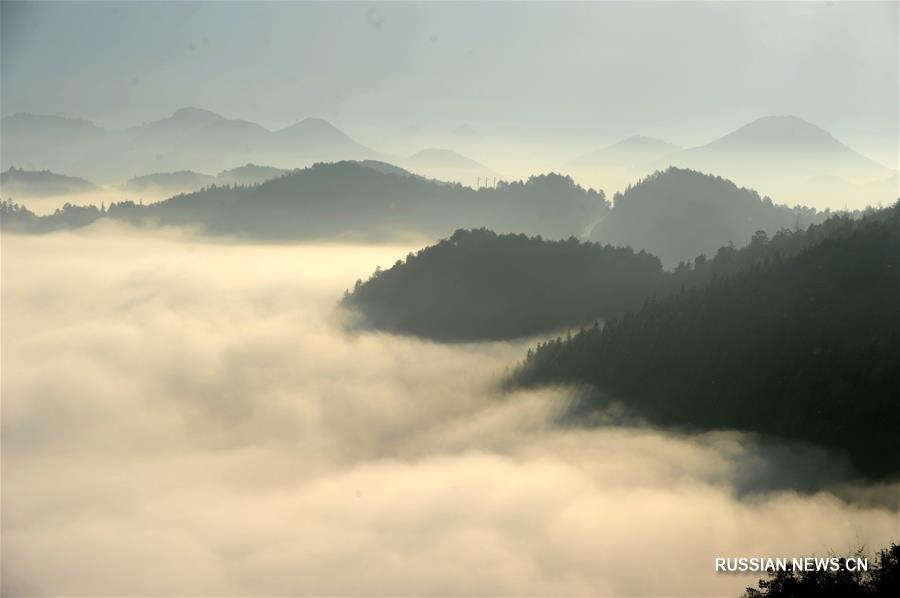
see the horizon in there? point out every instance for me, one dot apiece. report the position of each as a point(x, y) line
point(815, 61)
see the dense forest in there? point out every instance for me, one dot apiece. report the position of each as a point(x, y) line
point(479, 285)
point(801, 345)
point(352, 200)
point(678, 214)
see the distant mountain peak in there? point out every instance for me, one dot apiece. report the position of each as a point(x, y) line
point(780, 133)
point(194, 115)
point(313, 125)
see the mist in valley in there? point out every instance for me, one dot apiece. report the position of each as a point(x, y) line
point(183, 416)
point(445, 299)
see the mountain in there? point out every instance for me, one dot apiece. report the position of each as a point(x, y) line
point(168, 183)
point(189, 117)
point(230, 137)
point(249, 174)
point(15, 183)
point(189, 139)
point(636, 151)
point(679, 214)
point(478, 285)
point(448, 165)
point(185, 181)
point(385, 168)
point(318, 137)
point(801, 346)
point(36, 141)
point(780, 154)
point(353, 200)
point(172, 130)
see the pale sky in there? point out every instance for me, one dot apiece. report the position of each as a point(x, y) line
point(683, 71)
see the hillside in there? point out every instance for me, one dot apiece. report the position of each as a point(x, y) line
point(248, 174)
point(478, 285)
point(319, 138)
point(15, 182)
point(168, 183)
point(679, 214)
point(353, 200)
point(782, 155)
point(448, 165)
point(802, 347)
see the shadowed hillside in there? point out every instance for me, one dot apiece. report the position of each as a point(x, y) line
point(803, 347)
point(354, 200)
point(478, 285)
point(679, 214)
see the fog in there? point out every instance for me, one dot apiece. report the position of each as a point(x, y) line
point(189, 417)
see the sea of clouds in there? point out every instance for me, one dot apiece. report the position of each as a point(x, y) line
point(188, 417)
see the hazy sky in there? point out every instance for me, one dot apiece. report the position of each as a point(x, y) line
point(687, 71)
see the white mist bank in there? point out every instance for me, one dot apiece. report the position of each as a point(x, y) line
point(183, 417)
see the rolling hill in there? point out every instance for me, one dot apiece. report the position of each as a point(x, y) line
point(354, 200)
point(678, 214)
point(448, 165)
point(16, 183)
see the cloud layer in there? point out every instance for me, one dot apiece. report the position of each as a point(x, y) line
point(183, 417)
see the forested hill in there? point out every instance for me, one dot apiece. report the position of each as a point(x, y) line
point(479, 285)
point(802, 347)
point(16, 182)
point(679, 214)
point(352, 200)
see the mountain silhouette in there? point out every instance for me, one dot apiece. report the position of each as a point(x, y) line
point(353, 200)
point(248, 174)
point(15, 182)
point(168, 183)
point(448, 165)
point(678, 214)
point(190, 116)
point(320, 137)
point(188, 139)
point(781, 155)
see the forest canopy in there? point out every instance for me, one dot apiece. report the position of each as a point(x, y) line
point(801, 345)
point(479, 285)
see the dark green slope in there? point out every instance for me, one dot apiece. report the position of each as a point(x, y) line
point(478, 285)
point(804, 347)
